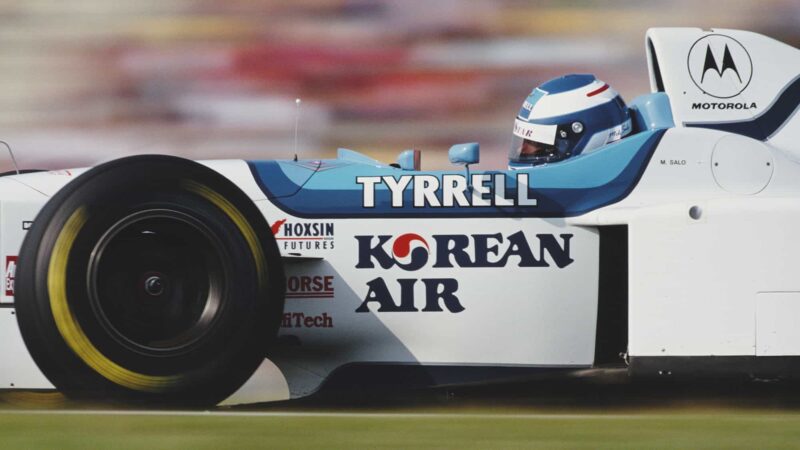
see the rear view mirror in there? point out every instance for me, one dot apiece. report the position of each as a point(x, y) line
point(410, 160)
point(464, 154)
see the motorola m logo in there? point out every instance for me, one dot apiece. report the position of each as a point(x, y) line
point(720, 66)
point(727, 64)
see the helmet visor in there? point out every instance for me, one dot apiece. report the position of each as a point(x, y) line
point(534, 143)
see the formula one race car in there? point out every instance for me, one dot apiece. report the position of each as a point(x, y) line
point(671, 251)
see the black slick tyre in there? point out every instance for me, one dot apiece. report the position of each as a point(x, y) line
point(150, 279)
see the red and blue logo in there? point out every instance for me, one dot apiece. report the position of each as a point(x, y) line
point(410, 251)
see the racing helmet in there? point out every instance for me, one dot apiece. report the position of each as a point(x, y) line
point(565, 117)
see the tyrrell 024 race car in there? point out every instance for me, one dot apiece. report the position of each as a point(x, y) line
point(670, 250)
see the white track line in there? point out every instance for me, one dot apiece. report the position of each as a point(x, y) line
point(366, 415)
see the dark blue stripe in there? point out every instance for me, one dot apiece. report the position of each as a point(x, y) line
point(763, 126)
point(336, 202)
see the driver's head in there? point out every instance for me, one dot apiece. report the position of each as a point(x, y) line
point(565, 117)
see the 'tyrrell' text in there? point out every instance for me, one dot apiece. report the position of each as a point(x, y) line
point(452, 190)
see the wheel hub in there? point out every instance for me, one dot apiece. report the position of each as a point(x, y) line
point(154, 286)
point(156, 281)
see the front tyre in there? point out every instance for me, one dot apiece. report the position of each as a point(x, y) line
point(150, 278)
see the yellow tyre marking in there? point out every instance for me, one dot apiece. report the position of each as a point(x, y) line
point(238, 219)
point(72, 332)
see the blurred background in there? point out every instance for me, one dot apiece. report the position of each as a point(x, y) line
point(83, 81)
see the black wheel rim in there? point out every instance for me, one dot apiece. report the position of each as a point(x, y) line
point(156, 281)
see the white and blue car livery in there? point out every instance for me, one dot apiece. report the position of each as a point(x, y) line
point(670, 252)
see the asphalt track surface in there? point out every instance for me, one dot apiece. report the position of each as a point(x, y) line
point(574, 413)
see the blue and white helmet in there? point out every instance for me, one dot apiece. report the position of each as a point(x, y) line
point(565, 117)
